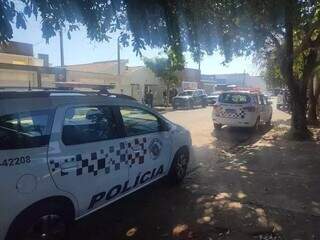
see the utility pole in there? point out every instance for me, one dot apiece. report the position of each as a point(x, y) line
point(61, 49)
point(118, 53)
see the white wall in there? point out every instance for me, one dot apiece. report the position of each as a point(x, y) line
point(109, 67)
point(20, 60)
point(17, 78)
point(136, 79)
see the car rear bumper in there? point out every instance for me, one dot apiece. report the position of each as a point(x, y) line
point(234, 122)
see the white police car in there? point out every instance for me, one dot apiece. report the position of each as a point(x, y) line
point(241, 109)
point(65, 154)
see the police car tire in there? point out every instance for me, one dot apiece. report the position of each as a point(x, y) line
point(174, 177)
point(22, 223)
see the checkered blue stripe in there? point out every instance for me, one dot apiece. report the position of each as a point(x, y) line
point(105, 160)
point(240, 114)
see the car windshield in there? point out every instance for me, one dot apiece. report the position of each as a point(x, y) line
point(234, 98)
point(186, 93)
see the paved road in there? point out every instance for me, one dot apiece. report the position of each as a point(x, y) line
point(199, 122)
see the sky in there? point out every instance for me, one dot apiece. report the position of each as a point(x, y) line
point(79, 49)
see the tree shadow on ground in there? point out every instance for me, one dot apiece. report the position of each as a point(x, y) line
point(230, 137)
point(285, 122)
point(195, 210)
point(268, 191)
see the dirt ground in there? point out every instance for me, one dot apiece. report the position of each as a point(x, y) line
point(242, 185)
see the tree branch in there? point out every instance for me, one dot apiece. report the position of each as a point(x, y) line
point(315, 43)
point(307, 40)
point(275, 42)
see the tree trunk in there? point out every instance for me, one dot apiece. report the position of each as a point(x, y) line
point(299, 130)
point(312, 110)
point(317, 95)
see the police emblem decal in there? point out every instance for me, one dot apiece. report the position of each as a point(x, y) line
point(155, 148)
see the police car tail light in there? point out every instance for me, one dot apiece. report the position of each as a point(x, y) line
point(249, 109)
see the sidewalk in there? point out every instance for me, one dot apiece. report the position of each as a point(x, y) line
point(267, 190)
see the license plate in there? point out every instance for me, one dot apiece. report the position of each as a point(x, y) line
point(230, 111)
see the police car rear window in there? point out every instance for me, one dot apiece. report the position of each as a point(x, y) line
point(88, 124)
point(25, 129)
point(234, 98)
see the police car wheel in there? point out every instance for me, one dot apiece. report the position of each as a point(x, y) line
point(179, 166)
point(44, 222)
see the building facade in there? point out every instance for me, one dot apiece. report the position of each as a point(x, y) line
point(24, 71)
point(19, 68)
point(132, 81)
point(239, 79)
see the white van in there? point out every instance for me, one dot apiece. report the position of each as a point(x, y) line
point(241, 109)
point(66, 154)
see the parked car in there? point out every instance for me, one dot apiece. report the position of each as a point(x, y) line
point(190, 98)
point(242, 109)
point(213, 97)
point(64, 155)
